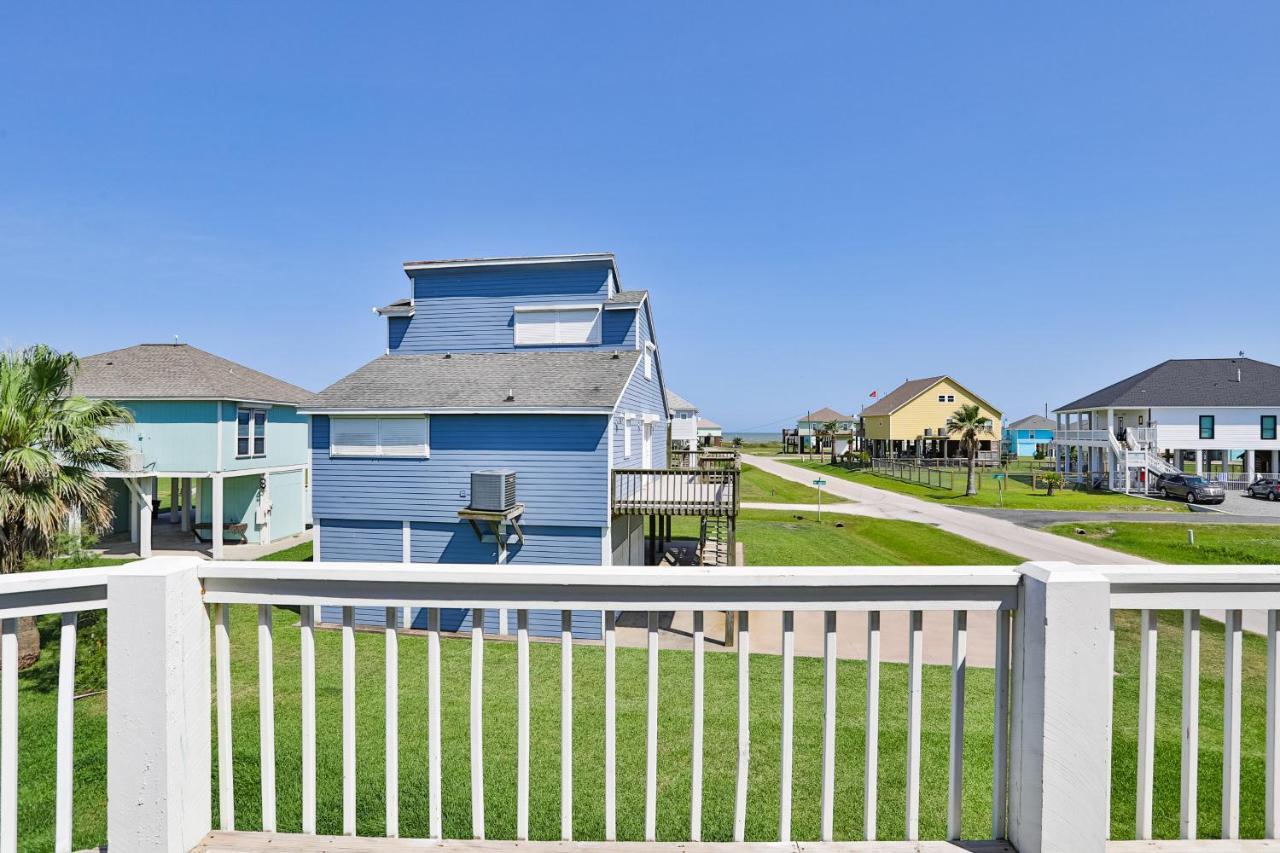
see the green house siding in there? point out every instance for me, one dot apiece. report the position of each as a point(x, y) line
point(172, 435)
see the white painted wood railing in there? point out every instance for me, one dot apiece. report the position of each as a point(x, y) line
point(68, 593)
point(649, 590)
point(1234, 595)
point(1054, 655)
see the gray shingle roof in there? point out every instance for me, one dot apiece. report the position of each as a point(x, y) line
point(1191, 382)
point(824, 414)
point(627, 297)
point(900, 396)
point(1033, 422)
point(677, 403)
point(474, 381)
point(178, 372)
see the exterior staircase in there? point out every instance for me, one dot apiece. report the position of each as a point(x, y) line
point(713, 541)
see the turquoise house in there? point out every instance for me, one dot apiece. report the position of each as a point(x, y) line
point(1033, 434)
point(229, 440)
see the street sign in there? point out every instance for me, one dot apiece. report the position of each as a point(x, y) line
point(819, 483)
point(998, 476)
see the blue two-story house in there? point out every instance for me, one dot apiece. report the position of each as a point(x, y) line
point(543, 366)
point(1029, 436)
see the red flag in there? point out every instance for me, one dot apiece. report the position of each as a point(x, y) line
point(874, 393)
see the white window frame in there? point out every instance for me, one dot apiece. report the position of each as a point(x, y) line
point(649, 349)
point(253, 433)
point(377, 451)
point(626, 436)
point(594, 337)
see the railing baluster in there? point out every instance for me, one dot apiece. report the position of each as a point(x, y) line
point(695, 804)
point(348, 721)
point(788, 723)
point(651, 735)
point(66, 733)
point(307, 652)
point(955, 776)
point(1190, 722)
point(9, 736)
point(1146, 722)
point(610, 727)
point(1272, 794)
point(392, 728)
point(522, 725)
point(829, 651)
point(915, 654)
point(266, 719)
point(744, 726)
point(433, 723)
point(477, 723)
point(566, 725)
point(1231, 672)
point(1000, 752)
point(226, 777)
point(1109, 692)
point(872, 767)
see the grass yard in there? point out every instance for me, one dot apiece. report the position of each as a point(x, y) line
point(783, 538)
point(761, 486)
point(1167, 542)
point(1018, 492)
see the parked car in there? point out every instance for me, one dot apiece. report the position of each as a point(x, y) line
point(1265, 487)
point(1191, 489)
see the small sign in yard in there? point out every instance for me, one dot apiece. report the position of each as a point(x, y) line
point(819, 483)
point(998, 476)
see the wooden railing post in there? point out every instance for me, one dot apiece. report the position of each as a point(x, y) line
point(158, 708)
point(1061, 711)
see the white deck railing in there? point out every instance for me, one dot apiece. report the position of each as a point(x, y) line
point(1053, 650)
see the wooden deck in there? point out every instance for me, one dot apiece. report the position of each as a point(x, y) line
point(675, 491)
point(260, 842)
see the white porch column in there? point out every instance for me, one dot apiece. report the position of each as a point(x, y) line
point(158, 723)
point(184, 492)
point(147, 486)
point(1248, 465)
point(1059, 756)
point(1275, 462)
point(134, 509)
point(1199, 462)
point(215, 516)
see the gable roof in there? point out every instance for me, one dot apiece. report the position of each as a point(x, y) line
point(1190, 382)
point(706, 423)
point(824, 414)
point(178, 372)
point(1033, 422)
point(483, 382)
point(913, 388)
point(677, 403)
point(627, 297)
point(900, 396)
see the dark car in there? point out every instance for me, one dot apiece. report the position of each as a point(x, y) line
point(1191, 489)
point(1265, 487)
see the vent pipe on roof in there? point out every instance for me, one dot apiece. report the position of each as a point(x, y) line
point(511, 394)
point(1238, 377)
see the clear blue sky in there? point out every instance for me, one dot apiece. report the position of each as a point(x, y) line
point(824, 199)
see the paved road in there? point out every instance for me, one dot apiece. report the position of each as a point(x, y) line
point(1023, 542)
point(1043, 518)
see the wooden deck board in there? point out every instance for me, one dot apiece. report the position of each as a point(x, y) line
point(259, 842)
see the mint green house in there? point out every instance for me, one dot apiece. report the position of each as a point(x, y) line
point(228, 439)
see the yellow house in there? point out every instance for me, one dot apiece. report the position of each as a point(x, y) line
point(911, 419)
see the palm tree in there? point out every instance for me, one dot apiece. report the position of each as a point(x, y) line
point(829, 430)
point(968, 425)
point(51, 443)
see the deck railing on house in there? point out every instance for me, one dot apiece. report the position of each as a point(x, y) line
point(711, 491)
point(1050, 727)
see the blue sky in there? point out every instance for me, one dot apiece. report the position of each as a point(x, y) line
point(824, 199)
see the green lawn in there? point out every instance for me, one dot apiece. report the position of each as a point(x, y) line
point(1018, 493)
point(784, 538)
point(1167, 542)
point(761, 486)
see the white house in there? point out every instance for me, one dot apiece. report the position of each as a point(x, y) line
point(1215, 416)
point(684, 423)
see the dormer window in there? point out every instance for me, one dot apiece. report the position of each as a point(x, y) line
point(557, 325)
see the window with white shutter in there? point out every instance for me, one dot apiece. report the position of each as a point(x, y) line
point(370, 436)
point(551, 325)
